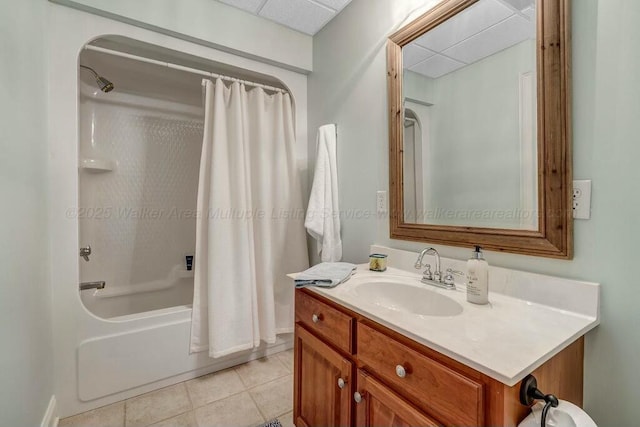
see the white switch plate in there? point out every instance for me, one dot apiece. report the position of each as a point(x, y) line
point(582, 199)
point(381, 202)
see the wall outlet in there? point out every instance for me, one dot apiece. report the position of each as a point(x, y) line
point(582, 199)
point(381, 202)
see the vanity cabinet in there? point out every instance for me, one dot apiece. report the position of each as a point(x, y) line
point(448, 395)
point(378, 406)
point(353, 371)
point(322, 383)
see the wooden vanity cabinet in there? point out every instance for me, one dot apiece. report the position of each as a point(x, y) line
point(380, 407)
point(322, 383)
point(352, 371)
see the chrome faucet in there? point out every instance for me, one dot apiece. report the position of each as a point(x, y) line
point(434, 278)
point(436, 275)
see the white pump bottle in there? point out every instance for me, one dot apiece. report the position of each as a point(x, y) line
point(478, 278)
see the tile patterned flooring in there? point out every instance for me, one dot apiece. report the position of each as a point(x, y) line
point(247, 395)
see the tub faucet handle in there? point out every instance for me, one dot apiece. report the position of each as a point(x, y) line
point(85, 252)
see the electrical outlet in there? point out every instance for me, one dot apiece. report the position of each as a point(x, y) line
point(381, 202)
point(582, 199)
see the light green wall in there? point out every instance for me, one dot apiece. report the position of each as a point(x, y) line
point(212, 24)
point(25, 312)
point(416, 86)
point(348, 87)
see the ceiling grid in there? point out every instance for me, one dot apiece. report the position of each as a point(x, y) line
point(306, 16)
point(481, 30)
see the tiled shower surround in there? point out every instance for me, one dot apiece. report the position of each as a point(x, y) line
point(139, 218)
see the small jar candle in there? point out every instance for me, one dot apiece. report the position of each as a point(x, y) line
point(377, 262)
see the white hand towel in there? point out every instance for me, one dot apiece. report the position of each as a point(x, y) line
point(323, 214)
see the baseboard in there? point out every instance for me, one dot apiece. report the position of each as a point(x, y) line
point(50, 418)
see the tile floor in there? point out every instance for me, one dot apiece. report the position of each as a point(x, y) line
point(247, 395)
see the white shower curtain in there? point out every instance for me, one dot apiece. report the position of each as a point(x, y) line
point(250, 230)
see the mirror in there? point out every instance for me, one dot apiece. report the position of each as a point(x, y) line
point(479, 126)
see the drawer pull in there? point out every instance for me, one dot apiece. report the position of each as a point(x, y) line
point(357, 397)
point(400, 371)
point(341, 383)
point(316, 318)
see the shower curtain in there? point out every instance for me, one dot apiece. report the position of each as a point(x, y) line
point(250, 223)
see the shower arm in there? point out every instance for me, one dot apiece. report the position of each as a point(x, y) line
point(104, 84)
point(90, 69)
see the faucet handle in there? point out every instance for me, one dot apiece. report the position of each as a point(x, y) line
point(448, 278)
point(85, 252)
point(427, 274)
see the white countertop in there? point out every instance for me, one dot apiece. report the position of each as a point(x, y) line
point(506, 339)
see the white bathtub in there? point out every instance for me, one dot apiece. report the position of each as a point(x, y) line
point(136, 339)
point(148, 350)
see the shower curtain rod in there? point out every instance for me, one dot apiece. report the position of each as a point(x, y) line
point(182, 68)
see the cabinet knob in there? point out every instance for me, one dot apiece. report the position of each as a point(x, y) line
point(341, 383)
point(400, 371)
point(357, 397)
point(315, 318)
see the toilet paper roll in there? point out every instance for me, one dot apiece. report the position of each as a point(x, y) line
point(565, 415)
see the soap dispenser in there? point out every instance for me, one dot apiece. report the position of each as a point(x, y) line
point(477, 278)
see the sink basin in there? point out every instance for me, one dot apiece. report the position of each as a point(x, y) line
point(406, 298)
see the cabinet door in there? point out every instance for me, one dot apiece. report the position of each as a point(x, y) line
point(377, 406)
point(322, 383)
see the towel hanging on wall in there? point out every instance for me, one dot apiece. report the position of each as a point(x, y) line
point(323, 214)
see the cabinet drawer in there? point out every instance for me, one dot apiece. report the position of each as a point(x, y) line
point(331, 324)
point(450, 396)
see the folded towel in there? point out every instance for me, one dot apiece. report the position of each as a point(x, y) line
point(325, 274)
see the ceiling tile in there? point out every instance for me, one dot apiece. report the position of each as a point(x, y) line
point(337, 5)
point(494, 39)
point(248, 5)
point(436, 66)
point(530, 12)
point(520, 4)
point(412, 54)
point(465, 24)
point(301, 15)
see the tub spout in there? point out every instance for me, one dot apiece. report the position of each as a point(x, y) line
point(92, 285)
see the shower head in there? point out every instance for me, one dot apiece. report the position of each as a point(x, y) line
point(104, 84)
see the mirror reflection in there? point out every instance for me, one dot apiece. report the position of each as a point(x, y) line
point(469, 139)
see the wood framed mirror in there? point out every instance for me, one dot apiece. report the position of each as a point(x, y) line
point(446, 192)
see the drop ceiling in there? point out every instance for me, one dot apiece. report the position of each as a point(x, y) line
point(306, 16)
point(479, 31)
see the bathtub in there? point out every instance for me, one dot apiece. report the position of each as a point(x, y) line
point(142, 351)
